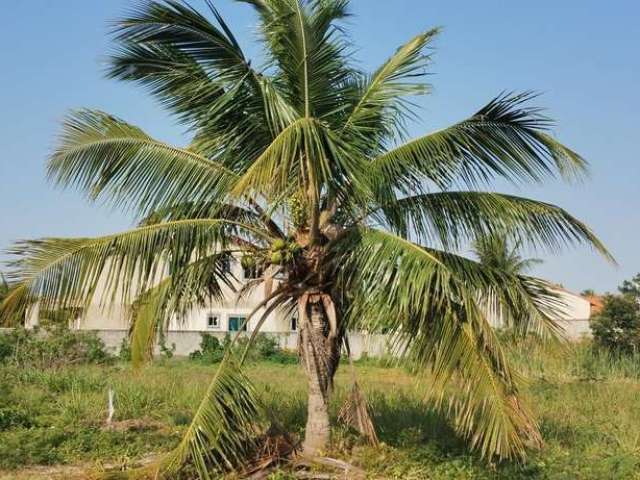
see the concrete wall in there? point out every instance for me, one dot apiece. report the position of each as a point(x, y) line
point(189, 341)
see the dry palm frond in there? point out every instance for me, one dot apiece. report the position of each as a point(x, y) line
point(355, 413)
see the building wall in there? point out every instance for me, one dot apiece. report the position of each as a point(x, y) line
point(112, 323)
point(573, 316)
point(186, 342)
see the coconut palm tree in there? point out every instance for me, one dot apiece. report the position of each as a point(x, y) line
point(497, 252)
point(494, 251)
point(302, 168)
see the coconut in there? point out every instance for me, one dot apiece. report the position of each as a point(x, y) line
point(248, 261)
point(279, 244)
point(277, 258)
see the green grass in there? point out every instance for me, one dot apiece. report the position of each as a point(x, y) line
point(588, 405)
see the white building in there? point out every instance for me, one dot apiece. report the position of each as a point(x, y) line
point(220, 319)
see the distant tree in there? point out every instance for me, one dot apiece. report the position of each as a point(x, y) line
point(589, 292)
point(631, 287)
point(495, 252)
point(617, 326)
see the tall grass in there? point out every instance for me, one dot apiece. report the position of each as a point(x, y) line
point(587, 402)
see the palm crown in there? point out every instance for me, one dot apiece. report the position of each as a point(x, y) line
point(303, 170)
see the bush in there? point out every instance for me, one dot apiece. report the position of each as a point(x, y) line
point(51, 348)
point(12, 417)
point(211, 350)
point(617, 326)
point(264, 348)
point(124, 352)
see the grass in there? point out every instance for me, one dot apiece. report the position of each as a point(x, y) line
point(588, 405)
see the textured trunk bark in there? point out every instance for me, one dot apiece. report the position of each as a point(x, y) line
point(318, 429)
point(321, 354)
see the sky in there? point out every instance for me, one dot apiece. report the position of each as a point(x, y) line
point(581, 55)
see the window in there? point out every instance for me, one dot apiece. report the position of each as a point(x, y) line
point(294, 324)
point(236, 322)
point(213, 321)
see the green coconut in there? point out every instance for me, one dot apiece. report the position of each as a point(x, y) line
point(248, 261)
point(279, 244)
point(277, 258)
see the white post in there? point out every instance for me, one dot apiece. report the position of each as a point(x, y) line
point(110, 408)
point(32, 316)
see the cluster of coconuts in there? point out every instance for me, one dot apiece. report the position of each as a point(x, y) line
point(282, 251)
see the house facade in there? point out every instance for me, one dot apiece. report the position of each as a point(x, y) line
point(227, 317)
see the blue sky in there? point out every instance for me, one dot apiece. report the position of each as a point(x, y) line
point(582, 55)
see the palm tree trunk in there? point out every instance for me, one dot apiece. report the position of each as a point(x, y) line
point(320, 353)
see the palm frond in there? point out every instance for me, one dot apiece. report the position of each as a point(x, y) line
point(504, 139)
point(454, 218)
point(177, 26)
point(383, 101)
point(67, 272)
point(306, 155)
point(223, 430)
point(14, 304)
point(197, 284)
point(107, 158)
point(198, 70)
point(308, 51)
point(428, 302)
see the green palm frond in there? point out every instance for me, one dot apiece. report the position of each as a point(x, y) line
point(196, 285)
point(383, 101)
point(148, 318)
point(67, 272)
point(504, 139)
point(305, 155)
point(198, 70)
point(179, 28)
point(454, 218)
point(14, 304)
point(308, 51)
point(222, 433)
point(110, 159)
point(428, 302)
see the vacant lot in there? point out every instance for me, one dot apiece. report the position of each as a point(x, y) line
point(53, 420)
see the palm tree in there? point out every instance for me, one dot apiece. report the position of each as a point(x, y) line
point(302, 168)
point(494, 251)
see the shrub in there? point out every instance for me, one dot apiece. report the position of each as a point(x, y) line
point(124, 352)
point(12, 417)
point(166, 352)
point(51, 348)
point(617, 326)
point(31, 446)
point(264, 348)
point(211, 350)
